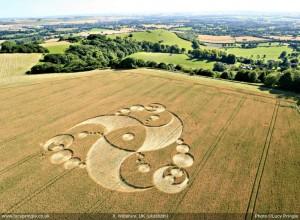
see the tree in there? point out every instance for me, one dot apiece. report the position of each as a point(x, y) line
point(227, 75)
point(179, 67)
point(294, 62)
point(45, 68)
point(30, 47)
point(162, 66)
point(271, 64)
point(231, 59)
point(219, 67)
point(285, 64)
point(203, 72)
point(262, 76)
point(252, 76)
point(282, 55)
point(196, 54)
point(195, 44)
point(152, 64)
point(127, 63)
point(296, 83)
point(157, 47)
point(286, 80)
point(241, 75)
point(271, 79)
point(8, 46)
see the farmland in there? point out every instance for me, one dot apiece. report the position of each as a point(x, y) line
point(286, 38)
point(272, 52)
point(236, 167)
point(160, 35)
point(16, 64)
point(228, 39)
point(105, 31)
point(216, 39)
point(55, 46)
point(176, 59)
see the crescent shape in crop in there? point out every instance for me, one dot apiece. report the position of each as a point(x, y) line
point(104, 160)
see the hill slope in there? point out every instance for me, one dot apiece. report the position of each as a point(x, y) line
point(159, 36)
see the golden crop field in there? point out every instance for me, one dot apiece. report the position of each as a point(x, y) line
point(94, 143)
point(287, 38)
point(228, 39)
point(16, 64)
point(216, 39)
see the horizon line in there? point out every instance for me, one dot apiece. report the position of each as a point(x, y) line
point(149, 14)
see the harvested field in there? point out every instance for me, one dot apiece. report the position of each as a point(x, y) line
point(216, 39)
point(16, 64)
point(249, 38)
point(202, 146)
point(106, 31)
point(286, 38)
point(228, 39)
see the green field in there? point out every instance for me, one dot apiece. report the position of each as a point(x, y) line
point(156, 36)
point(56, 46)
point(181, 59)
point(183, 28)
point(16, 64)
point(272, 53)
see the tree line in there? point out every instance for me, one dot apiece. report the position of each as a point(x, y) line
point(287, 80)
point(213, 55)
point(96, 52)
point(99, 51)
point(21, 47)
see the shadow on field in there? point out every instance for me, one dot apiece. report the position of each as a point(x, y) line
point(282, 94)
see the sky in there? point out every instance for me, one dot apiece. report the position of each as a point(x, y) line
point(45, 8)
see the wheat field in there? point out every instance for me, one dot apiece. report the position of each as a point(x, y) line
point(242, 145)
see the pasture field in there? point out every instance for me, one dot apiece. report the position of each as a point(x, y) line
point(176, 59)
point(183, 28)
point(54, 46)
point(160, 35)
point(272, 52)
point(242, 146)
point(16, 64)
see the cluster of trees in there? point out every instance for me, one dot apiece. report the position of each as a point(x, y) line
point(249, 45)
point(160, 48)
point(132, 63)
point(96, 52)
point(213, 55)
point(14, 47)
point(287, 80)
point(285, 62)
